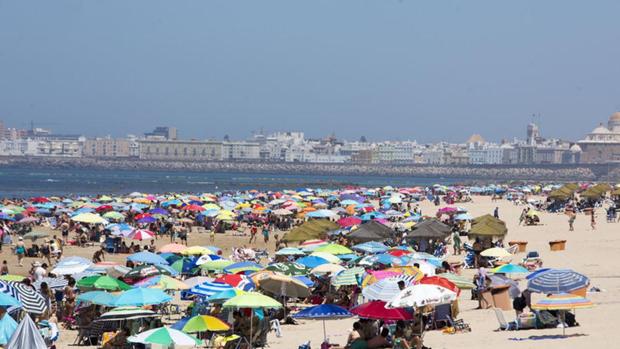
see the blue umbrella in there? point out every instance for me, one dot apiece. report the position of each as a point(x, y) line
point(159, 211)
point(97, 297)
point(208, 288)
point(147, 219)
point(534, 273)
point(383, 258)
point(140, 297)
point(242, 267)
point(306, 280)
point(8, 301)
point(312, 261)
point(120, 229)
point(148, 258)
point(556, 281)
point(324, 312)
point(370, 247)
point(180, 324)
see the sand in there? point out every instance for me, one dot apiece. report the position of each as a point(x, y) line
point(593, 253)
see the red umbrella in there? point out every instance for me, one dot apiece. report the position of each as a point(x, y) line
point(39, 200)
point(142, 215)
point(349, 221)
point(397, 252)
point(231, 279)
point(440, 281)
point(193, 207)
point(376, 310)
point(103, 208)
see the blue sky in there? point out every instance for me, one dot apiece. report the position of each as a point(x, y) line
point(386, 69)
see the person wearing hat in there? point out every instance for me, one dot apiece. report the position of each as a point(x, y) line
point(20, 251)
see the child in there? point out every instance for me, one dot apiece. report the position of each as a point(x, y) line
point(5, 268)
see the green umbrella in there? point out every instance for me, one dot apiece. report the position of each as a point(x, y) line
point(252, 300)
point(459, 281)
point(334, 249)
point(102, 283)
point(217, 265)
point(203, 323)
point(113, 215)
point(165, 337)
point(292, 269)
point(34, 235)
point(348, 277)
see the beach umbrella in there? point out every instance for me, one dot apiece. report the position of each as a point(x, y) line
point(382, 258)
point(34, 235)
point(554, 281)
point(90, 218)
point(126, 313)
point(206, 258)
point(8, 327)
point(196, 280)
point(327, 268)
point(25, 335)
point(495, 252)
point(120, 229)
point(327, 256)
point(509, 269)
point(324, 312)
point(252, 300)
point(440, 281)
point(165, 337)
point(376, 310)
point(216, 265)
point(185, 265)
point(97, 297)
point(31, 300)
point(460, 281)
point(311, 261)
point(172, 248)
point(209, 288)
point(562, 302)
point(290, 251)
point(144, 271)
point(284, 286)
point(203, 323)
point(117, 216)
point(383, 290)
point(142, 234)
point(141, 296)
point(8, 301)
point(236, 280)
point(291, 269)
point(223, 296)
point(71, 265)
point(105, 282)
point(241, 267)
point(147, 257)
point(348, 277)
point(370, 247)
point(163, 282)
point(334, 249)
point(10, 277)
point(421, 295)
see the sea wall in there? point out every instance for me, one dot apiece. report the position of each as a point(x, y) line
point(497, 172)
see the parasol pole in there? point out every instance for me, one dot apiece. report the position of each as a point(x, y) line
point(324, 332)
point(251, 323)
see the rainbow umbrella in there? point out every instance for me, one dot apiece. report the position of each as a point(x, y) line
point(324, 312)
point(203, 323)
point(562, 301)
point(165, 337)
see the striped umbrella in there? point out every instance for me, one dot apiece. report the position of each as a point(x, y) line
point(291, 269)
point(324, 312)
point(126, 313)
point(142, 234)
point(556, 281)
point(348, 277)
point(208, 289)
point(31, 300)
point(383, 290)
point(242, 267)
point(562, 301)
point(165, 337)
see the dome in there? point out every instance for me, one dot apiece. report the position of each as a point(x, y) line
point(615, 117)
point(575, 148)
point(600, 130)
point(476, 138)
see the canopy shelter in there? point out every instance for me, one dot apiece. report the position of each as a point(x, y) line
point(312, 229)
point(430, 229)
point(371, 231)
point(488, 226)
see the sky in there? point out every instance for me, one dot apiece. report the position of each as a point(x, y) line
point(384, 69)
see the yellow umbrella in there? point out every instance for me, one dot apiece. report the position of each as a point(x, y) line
point(196, 250)
point(90, 218)
point(167, 283)
point(495, 252)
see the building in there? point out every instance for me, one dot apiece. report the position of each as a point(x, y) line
point(106, 148)
point(180, 150)
point(243, 151)
point(602, 145)
point(162, 132)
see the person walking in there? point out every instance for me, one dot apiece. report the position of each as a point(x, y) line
point(593, 220)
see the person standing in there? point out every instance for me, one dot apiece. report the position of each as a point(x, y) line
point(571, 220)
point(496, 212)
point(593, 220)
point(20, 251)
point(253, 232)
point(456, 242)
point(266, 233)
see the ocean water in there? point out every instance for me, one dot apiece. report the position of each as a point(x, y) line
point(28, 182)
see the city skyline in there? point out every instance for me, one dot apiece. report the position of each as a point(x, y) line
point(397, 70)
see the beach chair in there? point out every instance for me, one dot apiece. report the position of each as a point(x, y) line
point(503, 325)
point(440, 316)
point(458, 325)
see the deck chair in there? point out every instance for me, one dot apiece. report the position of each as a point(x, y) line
point(458, 325)
point(513, 249)
point(440, 316)
point(503, 324)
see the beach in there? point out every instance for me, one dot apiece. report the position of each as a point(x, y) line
point(592, 253)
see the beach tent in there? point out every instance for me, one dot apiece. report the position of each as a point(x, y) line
point(312, 229)
point(371, 231)
point(487, 226)
point(26, 336)
point(429, 229)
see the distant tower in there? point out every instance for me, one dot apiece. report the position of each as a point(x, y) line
point(533, 134)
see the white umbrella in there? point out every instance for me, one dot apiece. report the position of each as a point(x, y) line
point(421, 295)
point(328, 268)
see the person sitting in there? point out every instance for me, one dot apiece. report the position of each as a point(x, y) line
point(380, 341)
point(355, 340)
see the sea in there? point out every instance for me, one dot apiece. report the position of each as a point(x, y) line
point(28, 182)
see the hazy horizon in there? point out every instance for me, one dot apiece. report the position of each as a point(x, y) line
point(397, 70)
